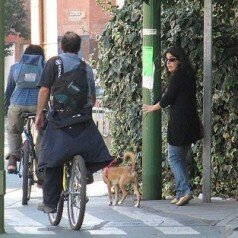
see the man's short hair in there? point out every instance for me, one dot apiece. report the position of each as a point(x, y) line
point(71, 42)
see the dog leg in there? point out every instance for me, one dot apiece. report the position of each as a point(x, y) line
point(116, 195)
point(109, 194)
point(136, 192)
point(124, 192)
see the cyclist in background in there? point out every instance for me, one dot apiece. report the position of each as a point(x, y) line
point(21, 96)
point(70, 131)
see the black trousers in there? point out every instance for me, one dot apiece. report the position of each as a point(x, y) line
point(52, 185)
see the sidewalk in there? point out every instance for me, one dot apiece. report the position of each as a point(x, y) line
point(220, 213)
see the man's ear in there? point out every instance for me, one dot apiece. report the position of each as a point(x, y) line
point(61, 47)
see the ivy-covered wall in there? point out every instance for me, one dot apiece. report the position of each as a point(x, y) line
point(119, 71)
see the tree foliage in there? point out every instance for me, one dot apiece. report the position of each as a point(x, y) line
point(119, 70)
point(120, 44)
point(15, 19)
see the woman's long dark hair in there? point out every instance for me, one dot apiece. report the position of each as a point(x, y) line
point(34, 50)
point(184, 63)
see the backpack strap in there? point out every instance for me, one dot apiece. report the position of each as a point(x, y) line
point(59, 66)
point(58, 71)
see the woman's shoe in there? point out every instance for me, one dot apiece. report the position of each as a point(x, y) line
point(184, 200)
point(12, 164)
point(174, 201)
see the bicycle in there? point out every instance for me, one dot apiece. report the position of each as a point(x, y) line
point(74, 192)
point(28, 158)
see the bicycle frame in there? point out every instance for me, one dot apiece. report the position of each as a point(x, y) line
point(28, 134)
point(66, 177)
point(29, 121)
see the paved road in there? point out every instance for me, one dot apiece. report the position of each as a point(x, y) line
point(100, 220)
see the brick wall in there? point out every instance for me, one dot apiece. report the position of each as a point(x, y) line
point(83, 17)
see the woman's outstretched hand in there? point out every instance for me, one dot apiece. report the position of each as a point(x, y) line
point(150, 108)
point(147, 108)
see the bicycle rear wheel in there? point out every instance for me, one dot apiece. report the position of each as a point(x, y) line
point(55, 218)
point(27, 173)
point(77, 193)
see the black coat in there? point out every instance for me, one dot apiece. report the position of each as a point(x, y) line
point(184, 124)
point(58, 146)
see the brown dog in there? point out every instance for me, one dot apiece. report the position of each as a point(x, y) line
point(120, 177)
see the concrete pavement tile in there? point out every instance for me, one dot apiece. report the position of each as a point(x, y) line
point(215, 211)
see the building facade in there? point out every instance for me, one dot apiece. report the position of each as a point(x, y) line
point(86, 18)
point(50, 19)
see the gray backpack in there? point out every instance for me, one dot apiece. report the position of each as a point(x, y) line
point(28, 72)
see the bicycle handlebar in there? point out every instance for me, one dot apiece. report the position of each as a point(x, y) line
point(28, 115)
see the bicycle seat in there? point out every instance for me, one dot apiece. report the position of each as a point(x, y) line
point(28, 115)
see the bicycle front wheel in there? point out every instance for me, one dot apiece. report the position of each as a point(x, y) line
point(55, 218)
point(27, 173)
point(77, 193)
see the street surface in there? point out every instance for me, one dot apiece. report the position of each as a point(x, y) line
point(100, 220)
point(152, 219)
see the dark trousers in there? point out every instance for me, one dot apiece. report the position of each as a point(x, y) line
point(52, 185)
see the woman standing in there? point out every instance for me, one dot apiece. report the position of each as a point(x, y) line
point(184, 123)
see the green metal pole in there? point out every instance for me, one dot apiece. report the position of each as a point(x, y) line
point(151, 138)
point(2, 171)
point(207, 100)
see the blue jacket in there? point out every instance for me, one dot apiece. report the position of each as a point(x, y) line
point(18, 96)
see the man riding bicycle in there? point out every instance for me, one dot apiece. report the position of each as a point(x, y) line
point(69, 84)
point(21, 97)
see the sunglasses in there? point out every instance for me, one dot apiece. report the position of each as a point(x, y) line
point(170, 60)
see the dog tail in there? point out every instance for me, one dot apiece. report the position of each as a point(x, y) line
point(131, 156)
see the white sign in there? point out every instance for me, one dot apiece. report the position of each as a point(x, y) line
point(148, 82)
point(147, 32)
point(76, 15)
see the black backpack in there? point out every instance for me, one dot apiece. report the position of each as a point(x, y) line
point(69, 95)
point(70, 89)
